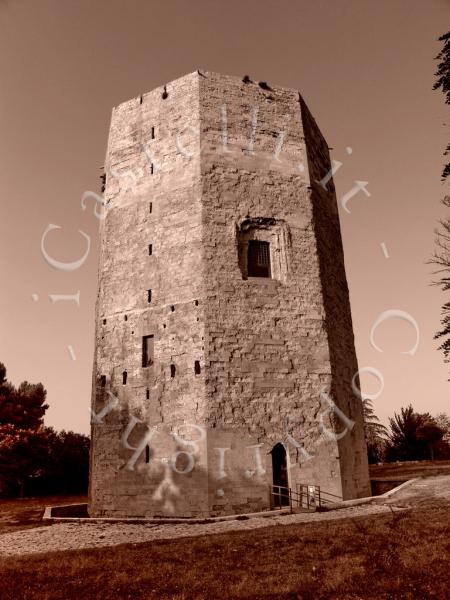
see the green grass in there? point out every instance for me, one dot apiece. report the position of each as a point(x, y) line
point(401, 556)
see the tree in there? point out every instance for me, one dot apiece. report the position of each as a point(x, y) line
point(33, 457)
point(42, 461)
point(24, 454)
point(69, 468)
point(443, 82)
point(374, 432)
point(415, 436)
point(443, 420)
point(23, 407)
point(441, 256)
point(431, 434)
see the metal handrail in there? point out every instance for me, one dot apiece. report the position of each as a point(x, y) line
point(301, 499)
point(329, 498)
point(280, 492)
point(306, 498)
point(339, 498)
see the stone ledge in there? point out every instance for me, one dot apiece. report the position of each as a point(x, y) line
point(371, 499)
point(50, 516)
point(68, 513)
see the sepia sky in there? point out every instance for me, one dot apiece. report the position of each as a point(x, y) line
point(365, 70)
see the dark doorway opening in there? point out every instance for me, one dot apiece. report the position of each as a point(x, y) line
point(280, 476)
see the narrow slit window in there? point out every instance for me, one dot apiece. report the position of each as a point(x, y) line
point(172, 370)
point(150, 249)
point(147, 351)
point(258, 259)
point(124, 378)
point(153, 133)
point(149, 296)
point(147, 454)
point(147, 394)
point(150, 207)
point(152, 170)
point(197, 369)
point(103, 380)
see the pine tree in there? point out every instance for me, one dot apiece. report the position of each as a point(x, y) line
point(443, 82)
point(34, 457)
point(441, 256)
point(23, 407)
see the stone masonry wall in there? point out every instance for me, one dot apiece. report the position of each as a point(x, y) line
point(161, 206)
point(344, 365)
point(266, 346)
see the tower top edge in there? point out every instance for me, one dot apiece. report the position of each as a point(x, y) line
point(195, 75)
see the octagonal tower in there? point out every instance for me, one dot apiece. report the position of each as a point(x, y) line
point(224, 345)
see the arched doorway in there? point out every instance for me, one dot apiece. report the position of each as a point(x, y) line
point(280, 475)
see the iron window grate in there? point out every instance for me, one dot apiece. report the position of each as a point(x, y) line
point(258, 264)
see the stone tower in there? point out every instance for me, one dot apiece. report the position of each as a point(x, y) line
point(224, 346)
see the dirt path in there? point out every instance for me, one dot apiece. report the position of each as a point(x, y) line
point(423, 491)
point(71, 536)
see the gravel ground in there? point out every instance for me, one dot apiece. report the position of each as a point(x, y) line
point(75, 536)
